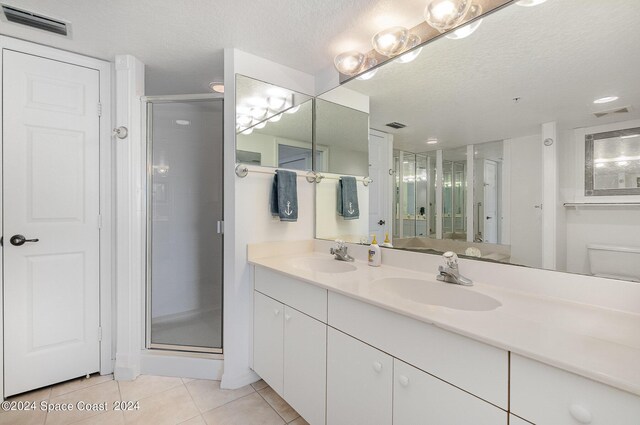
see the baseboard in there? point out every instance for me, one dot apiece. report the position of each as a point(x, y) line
point(238, 381)
point(125, 369)
point(182, 365)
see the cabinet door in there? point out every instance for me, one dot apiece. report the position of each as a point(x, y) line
point(419, 398)
point(359, 382)
point(268, 340)
point(305, 365)
point(514, 420)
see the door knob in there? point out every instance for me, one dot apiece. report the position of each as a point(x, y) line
point(18, 240)
point(382, 222)
point(488, 218)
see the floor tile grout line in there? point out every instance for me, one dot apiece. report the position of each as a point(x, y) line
point(228, 402)
point(272, 408)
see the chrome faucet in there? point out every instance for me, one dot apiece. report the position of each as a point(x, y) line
point(450, 273)
point(340, 252)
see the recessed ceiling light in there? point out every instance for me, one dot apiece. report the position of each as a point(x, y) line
point(432, 141)
point(599, 165)
point(217, 86)
point(605, 99)
point(183, 122)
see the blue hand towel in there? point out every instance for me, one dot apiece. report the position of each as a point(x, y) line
point(348, 198)
point(284, 196)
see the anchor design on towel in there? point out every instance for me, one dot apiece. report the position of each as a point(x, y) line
point(351, 210)
point(288, 211)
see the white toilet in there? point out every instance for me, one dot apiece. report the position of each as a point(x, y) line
point(616, 262)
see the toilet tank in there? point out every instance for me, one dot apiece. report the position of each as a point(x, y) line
point(617, 262)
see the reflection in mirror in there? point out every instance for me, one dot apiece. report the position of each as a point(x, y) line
point(488, 136)
point(613, 163)
point(342, 139)
point(274, 126)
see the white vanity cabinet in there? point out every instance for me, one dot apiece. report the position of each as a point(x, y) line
point(268, 340)
point(420, 398)
point(359, 382)
point(289, 346)
point(544, 395)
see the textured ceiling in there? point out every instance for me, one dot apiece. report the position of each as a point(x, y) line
point(557, 57)
point(182, 42)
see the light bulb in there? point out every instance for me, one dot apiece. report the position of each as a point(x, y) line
point(258, 112)
point(276, 102)
point(467, 30)
point(599, 165)
point(275, 118)
point(446, 14)
point(622, 163)
point(391, 42)
point(244, 120)
point(292, 110)
point(370, 63)
point(261, 125)
point(349, 63)
point(247, 131)
point(529, 3)
point(413, 41)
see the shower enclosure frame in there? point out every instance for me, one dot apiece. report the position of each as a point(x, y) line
point(147, 108)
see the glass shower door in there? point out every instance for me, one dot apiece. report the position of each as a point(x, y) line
point(184, 242)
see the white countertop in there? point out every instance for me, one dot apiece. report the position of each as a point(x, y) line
point(598, 343)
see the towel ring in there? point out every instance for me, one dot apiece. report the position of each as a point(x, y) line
point(367, 180)
point(242, 170)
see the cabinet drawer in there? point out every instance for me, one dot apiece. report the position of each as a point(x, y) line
point(419, 398)
point(309, 299)
point(548, 395)
point(471, 365)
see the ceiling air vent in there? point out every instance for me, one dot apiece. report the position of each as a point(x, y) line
point(34, 21)
point(623, 110)
point(396, 125)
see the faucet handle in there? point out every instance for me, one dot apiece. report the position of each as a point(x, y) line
point(451, 258)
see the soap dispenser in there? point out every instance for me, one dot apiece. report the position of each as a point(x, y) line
point(387, 243)
point(375, 255)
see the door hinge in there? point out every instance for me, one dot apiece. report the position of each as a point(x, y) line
point(99, 109)
point(220, 229)
point(100, 333)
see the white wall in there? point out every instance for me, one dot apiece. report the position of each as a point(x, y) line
point(247, 218)
point(332, 226)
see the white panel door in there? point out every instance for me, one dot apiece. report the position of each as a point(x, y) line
point(380, 158)
point(420, 398)
point(490, 202)
point(305, 365)
point(359, 382)
point(268, 340)
point(51, 193)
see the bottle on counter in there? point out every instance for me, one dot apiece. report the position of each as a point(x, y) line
point(375, 254)
point(387, 242)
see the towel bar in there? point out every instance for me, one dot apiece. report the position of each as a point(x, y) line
point(312, 176)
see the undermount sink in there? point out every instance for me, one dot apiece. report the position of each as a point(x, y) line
point(322, 265)
point(437, 293)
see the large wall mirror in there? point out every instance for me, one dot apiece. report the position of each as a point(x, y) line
point(512, 144)
point(274, 125)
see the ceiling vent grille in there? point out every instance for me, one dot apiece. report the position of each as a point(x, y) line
point(623, 110)
point(33, 20)
point(396, 125)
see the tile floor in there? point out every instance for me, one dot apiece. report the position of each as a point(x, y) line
point(162, 401)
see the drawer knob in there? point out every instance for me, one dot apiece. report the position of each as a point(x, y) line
point(276, 311)
point(287, 317)
point(404, 381)
point(377, 366)
point(580, 414)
